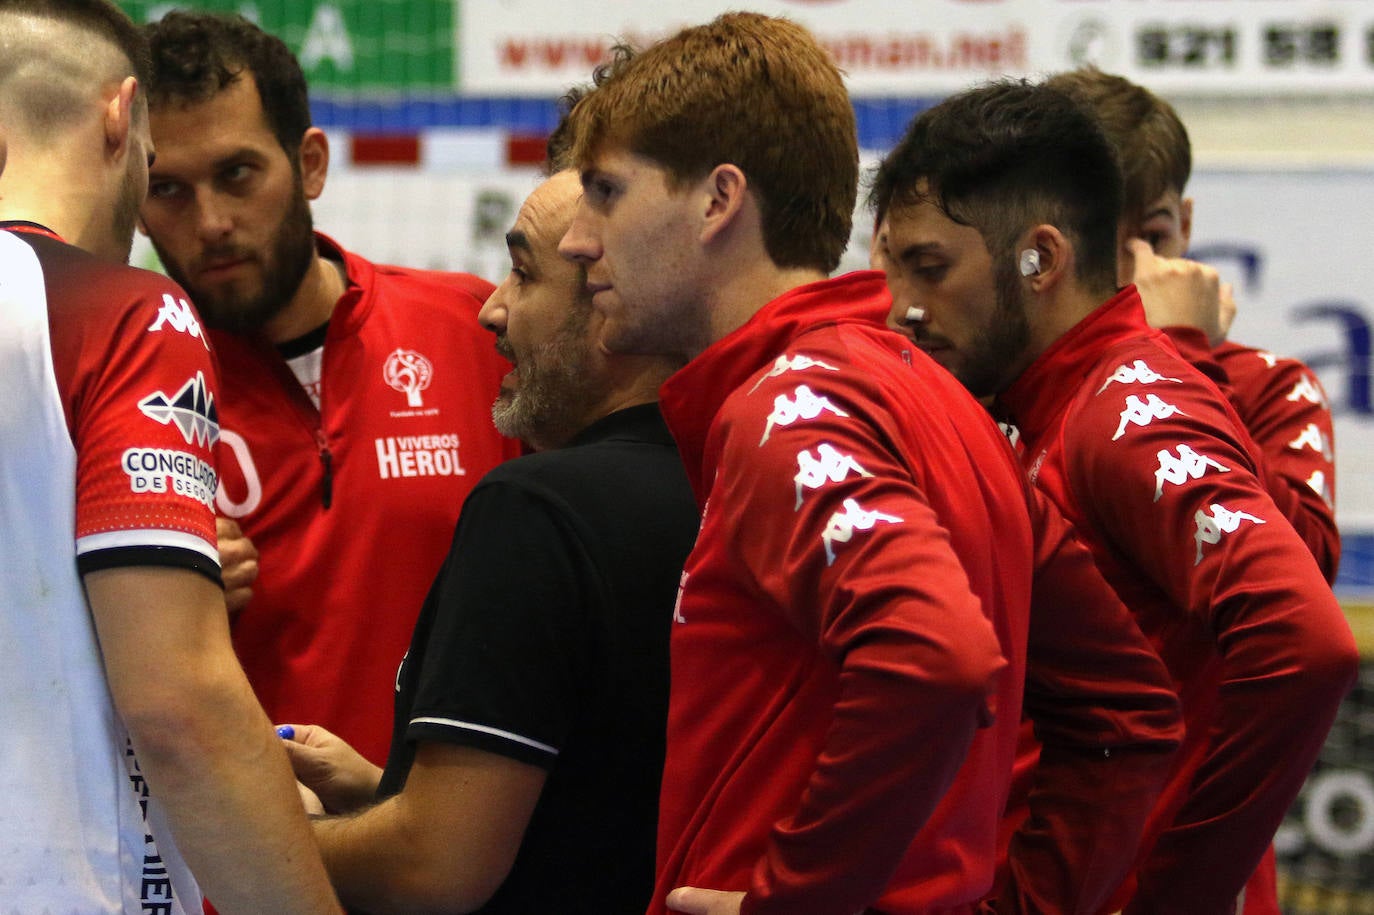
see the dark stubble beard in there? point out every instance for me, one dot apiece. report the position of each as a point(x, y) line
point(284, 266)
point(1003, 342)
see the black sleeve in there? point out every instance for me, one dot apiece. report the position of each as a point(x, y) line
point(509, 632)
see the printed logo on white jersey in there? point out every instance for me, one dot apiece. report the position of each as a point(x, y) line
point(677, 604)
point(798, 363)
point(1211, 527)
point(177, 314)
point(1312, 437)
point(1143, 412)
point(828, 464)
point(410, 373)
point(804, 404)
point(1269, 358)
point(1318, 483)
point(842, 525)
point(1012, 433)
point(1188, 465)
point(1135, 373)
point(1307, 389)
point(191, 410)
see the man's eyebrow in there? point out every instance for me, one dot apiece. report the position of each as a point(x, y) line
point(517, 239)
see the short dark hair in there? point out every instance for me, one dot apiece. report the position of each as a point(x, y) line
point(1006, 156)
point(559, 147)
point(1151, 141)
point(753, 91)
point(99, 17)
point(196, 55)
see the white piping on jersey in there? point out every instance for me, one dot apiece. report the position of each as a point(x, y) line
point(497, 732)
point(141, 537)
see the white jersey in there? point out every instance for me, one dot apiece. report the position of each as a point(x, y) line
point(79, 832)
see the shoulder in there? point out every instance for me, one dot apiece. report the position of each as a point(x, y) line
point(434, 285)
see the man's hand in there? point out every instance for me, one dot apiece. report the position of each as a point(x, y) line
point(310, 801)
point(337, 773)
point(238, 560)
point(695, 901)
point(1180, 292)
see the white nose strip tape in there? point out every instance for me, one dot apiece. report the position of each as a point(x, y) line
point(915, 315)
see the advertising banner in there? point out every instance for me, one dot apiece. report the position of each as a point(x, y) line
point(933, 47)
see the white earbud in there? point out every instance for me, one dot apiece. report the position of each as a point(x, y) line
point(1030, 262)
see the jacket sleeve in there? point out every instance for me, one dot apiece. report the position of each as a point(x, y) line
point(1167, 476)
point(1107, 721)
point(1287, 413)
point(845, 545)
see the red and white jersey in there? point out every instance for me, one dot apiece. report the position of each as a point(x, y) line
point(107, 432)
point(1287, 413)
point(352, 505)
point(1146, 457)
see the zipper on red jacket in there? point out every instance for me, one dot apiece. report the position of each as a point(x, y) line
point(327, 459)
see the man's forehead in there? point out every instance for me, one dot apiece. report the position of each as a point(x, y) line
point(547, 211)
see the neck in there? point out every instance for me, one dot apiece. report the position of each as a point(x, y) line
point(313, 302)
point(744, 293)
point(38, 187)
point(1059, 314)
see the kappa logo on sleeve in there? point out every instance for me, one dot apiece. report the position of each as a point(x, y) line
point(1135, 373)
point(828, 464)
point(1318, 484)
point(1189, 465)
point(180, 317)
point(1307, 389)
point(804, 404)
point(1210, 528)
point(799, 363)
point(191, 410)
point(842, 525)
point(1143, 412)
point(1270, 360)
point(1312, 437)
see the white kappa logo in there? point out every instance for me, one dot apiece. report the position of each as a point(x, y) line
point(842, 525)
point(410, 373)
point(1269, 358)
point(1317, 482)
point(829, 464)
point(1189, 465)
point(1143, 412)
point(799, 363)
point(807, 405)
point(1221, 521)
point(1135, 373)
point(1311, 437)
point(1307, 390)
point(177, 314)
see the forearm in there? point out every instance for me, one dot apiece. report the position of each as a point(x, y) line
point(218, 770)
point(379, 864)
point(894, 746)
point(205, 746)
point(1272, 719)
point(373, 862)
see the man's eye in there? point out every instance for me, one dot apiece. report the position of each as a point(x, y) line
point(162, 190)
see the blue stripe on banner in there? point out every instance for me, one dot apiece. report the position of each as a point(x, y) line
point(881, 121)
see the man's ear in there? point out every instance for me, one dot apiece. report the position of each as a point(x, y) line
point(119, 115)
point(314, 162)
point(1185, 221)
point(1053, 257)
point(726, 191)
